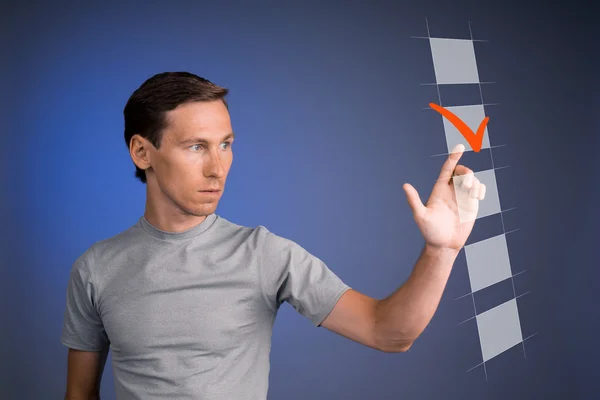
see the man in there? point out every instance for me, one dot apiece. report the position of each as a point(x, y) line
point(186, 300)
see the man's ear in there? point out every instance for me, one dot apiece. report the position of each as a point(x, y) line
point(139, 150)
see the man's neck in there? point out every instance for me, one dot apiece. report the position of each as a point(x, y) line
point(172, 222)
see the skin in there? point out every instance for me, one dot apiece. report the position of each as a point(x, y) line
point(182, 167)
point(195, 154)
point(84, 374)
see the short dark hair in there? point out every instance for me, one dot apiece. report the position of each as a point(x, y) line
point(146, 108)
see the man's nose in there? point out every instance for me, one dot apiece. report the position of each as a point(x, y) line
point(213, 166)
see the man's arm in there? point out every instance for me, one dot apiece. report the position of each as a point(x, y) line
point(394, 323)
point(446, 221)
point(84, 374)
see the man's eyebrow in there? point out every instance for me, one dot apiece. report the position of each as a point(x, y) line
point(198, 139)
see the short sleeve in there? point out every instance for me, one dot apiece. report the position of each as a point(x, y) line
point(82, 326)
point(290, 273)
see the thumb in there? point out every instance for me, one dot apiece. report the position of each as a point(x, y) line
point(414, 201)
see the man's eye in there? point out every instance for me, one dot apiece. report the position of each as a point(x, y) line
point(198, 147)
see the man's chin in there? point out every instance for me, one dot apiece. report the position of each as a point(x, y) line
point(204, 209)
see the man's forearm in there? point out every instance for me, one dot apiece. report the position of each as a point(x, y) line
point(402, 316)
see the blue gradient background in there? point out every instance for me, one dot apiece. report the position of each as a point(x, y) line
point(328, 111)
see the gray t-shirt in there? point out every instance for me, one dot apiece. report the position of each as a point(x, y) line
point(189, 315)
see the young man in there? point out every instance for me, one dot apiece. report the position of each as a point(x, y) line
point(186, 300)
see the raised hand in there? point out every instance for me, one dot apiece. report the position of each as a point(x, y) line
point(447, 219)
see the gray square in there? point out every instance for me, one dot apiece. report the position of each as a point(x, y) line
point(490, 205)
point(472, 115)
point(454, 61)
point(488, 262)
point(499, 329)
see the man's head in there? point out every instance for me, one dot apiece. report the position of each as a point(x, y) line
point(179, 135)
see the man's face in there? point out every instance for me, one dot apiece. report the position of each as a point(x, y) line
point(194, 157)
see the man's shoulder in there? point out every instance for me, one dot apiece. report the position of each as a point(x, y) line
point(119, 240)
point(240, 232)
point(115, 244)
point(262, 237)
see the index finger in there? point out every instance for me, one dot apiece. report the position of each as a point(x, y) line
point(450, 164)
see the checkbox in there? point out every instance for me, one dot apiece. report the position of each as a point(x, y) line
point(454, 61)
point(490, 205)
point(488, 262)
point(499, 329)
point(471, 115)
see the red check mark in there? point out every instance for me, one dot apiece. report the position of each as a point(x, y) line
point(475, 139)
